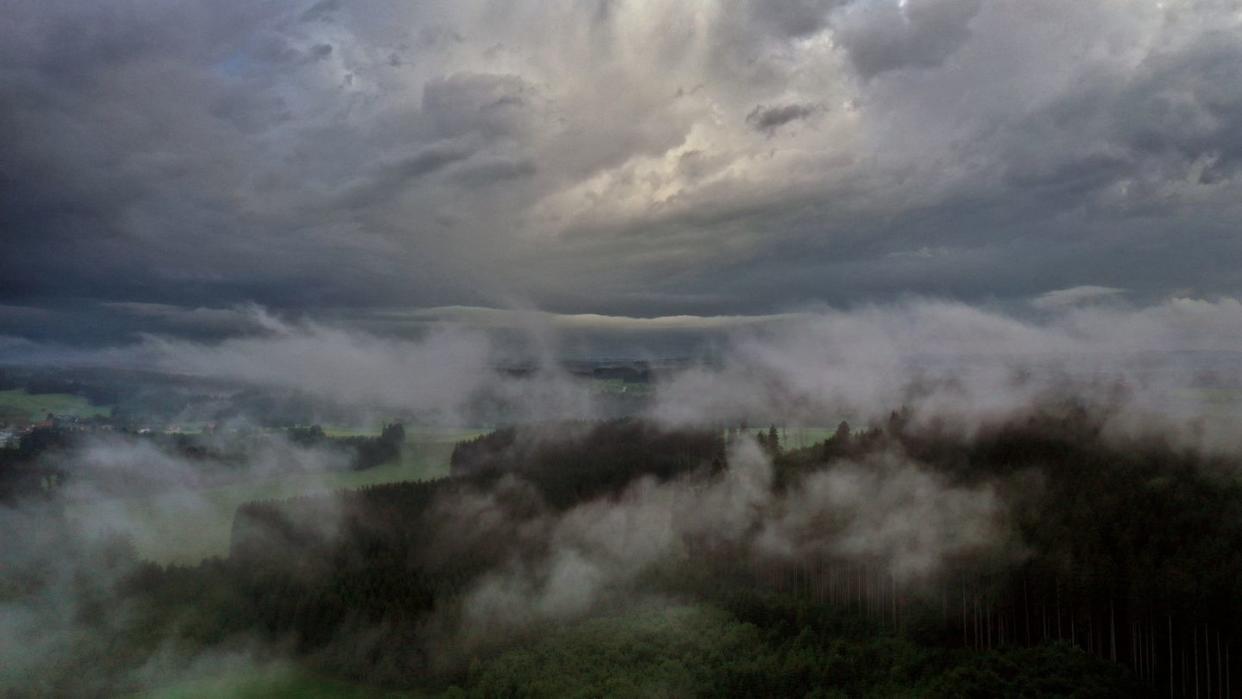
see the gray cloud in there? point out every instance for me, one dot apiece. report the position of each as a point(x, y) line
point(391, 178)
point(496, 171)
point(886, 35)
point(438, 373)
point(1060, 298)
point(887, 512)
point(321, 11)
point(792, 18)
point(190, 154)
point(769, 119)
point(965, 366)
point(62, 573)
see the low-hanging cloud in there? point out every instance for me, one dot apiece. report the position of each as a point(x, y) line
point(945, 363)
point(128, 501)
point(954, 362)
point(331, 361)
point(942, 359)
point(888, 513)
point(437, 376)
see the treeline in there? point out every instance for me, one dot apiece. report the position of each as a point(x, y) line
point(367, 451)
point(24, 474)
point(573, 462)
point(776, 646)
point(34, 467)
point(1122, 579)
point(368, 582)
point(1131, 548)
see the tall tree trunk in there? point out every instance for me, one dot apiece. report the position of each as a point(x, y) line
point(1183, 670)
point(1220, 679)
point(893, 580)
point(1155, 660)
point(1026, 609)
point(1060, 636)
point(1170, 618)
point(987, 622)
point(1140, 664)
point(965, 623)
point(1207, 660)
point(1112, 631)
point(1195, 638)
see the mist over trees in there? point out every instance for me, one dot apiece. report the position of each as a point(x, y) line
point(854, 505)
point(1038, 556)
point(48, 459)
point(620, 348)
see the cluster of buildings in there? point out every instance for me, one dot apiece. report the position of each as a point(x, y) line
point(12, 429)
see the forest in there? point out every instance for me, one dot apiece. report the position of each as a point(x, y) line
point(625, 558)
point(32, 467)
point(620, 348)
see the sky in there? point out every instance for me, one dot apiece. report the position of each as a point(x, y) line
point(168, 165)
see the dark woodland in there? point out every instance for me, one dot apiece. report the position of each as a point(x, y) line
point(1118, 575)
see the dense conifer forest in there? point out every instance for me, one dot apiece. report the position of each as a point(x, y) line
point(1111, 570)
point(620, 348)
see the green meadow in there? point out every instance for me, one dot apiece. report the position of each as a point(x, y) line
point(796, 437)
point(18, 404)
point(276, 682)
point(186, 526)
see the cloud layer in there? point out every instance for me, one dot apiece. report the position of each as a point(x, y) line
point(628, 158)
point(1173, 363)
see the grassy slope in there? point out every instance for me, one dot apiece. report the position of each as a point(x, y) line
point(187, 526)
point(797, 437)
point(18, 403)
point(273, 683)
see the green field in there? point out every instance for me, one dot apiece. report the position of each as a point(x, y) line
point(797, 437)
point(17, 404)
point(186, 526)
point(413, 435)
point(619, 386)
point(263, 683)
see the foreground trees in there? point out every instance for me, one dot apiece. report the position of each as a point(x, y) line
point(1120, 574)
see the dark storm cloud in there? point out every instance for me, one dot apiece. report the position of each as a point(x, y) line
point(195, 155)
point(882, 36)
point(488, 104)
point(390, 178)
point(320, 51)
point(792, 18)
point(321, 11)
point(495, 172)
point(769, 119)
point(1185, 107)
